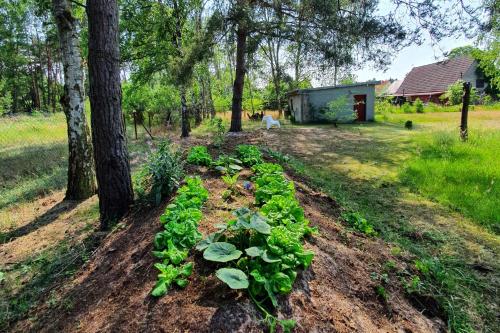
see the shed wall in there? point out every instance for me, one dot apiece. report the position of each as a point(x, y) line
point(320, 98)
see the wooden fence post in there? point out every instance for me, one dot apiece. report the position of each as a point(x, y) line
point(465, 111)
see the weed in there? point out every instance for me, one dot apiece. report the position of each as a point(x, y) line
point(359, 223)
point(160, 175)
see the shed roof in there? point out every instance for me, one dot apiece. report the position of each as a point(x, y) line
point(303, 91)
point(434, 78)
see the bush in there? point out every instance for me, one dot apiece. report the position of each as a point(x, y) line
point(338, 110)
point(160, 175)
point(199, 155)
point(453, 95)
point(406, 108)
point(419, 105)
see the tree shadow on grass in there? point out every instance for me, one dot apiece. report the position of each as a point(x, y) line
point(40, 221)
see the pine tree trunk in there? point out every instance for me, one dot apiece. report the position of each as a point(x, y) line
point(239, 80)
point(110, 149)
point(185, 128)
point(81, 177)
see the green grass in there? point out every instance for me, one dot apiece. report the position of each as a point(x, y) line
point(462, 175)
point(387, 108)
point(404, 183)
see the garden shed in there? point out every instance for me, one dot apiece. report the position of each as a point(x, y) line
point(306, 105)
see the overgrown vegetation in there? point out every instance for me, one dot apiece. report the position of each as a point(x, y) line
point(462, 175)
point(160, 175)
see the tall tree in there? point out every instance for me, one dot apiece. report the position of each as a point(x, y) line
point(110, 149)
point(81, 177)
point(242, 8)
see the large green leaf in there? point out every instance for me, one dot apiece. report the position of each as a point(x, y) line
point(258, 223)
point(221, 252)
point(234, 278)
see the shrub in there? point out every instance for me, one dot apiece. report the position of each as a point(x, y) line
point(454, 93)
point(160, 175)
point(199, 155)
point(249, 155)
point(217, 127)
point(419, 105)
point(406, 108)
point(338, 110)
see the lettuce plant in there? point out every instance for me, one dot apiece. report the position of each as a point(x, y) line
point(199, 155)
point(180, 233)
point(249, 155)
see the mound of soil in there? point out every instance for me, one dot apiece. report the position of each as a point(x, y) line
point(111, 293)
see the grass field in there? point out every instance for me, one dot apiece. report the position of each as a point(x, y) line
point(432, 196)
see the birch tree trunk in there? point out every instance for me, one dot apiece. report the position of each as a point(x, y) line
point(110, 148)
point(81, 177)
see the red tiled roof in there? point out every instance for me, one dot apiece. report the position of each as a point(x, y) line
point(434, 78)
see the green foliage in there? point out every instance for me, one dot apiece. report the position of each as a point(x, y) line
point(359, 223)
point(230, 181)
point(234, 278)
point(199, 155)
point(227, 164)
point(217, 127)
point(249, 155)
point(406, 108)
point(339, 110)
point(419, 105)
point(160, 175)
point(268, 185)
point(462, 175)
point(267, 168)
point(454, 93)
point(263, 249)
point(180, 234)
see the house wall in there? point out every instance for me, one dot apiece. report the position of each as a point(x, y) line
point(471, 76)
point(320, 98)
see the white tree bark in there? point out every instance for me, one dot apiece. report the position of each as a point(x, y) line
point(81, 176)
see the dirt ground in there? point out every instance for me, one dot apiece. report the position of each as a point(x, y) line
point(111, 293)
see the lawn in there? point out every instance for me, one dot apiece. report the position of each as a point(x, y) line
point(433, 197)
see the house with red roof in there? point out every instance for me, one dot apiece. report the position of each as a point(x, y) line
point(429, 82)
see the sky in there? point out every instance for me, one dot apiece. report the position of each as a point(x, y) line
point(414, 55)
point(406, 59)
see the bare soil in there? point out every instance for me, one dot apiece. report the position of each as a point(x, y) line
point(111, 293)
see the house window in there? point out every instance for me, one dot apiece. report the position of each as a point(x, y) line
point(479, 83)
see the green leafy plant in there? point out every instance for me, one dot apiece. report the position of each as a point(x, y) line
point(231, 182)
point(267, 168)
point(359, 223)
point(199, 155)
point(263, 250)
point(160, 175)
point(218, 130)
point(338, 110)
point(180, 234)
point(268, 185)
point(227, 164)
point(419, 105)
point(249, 155)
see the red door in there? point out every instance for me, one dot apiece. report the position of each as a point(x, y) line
point(360, 107)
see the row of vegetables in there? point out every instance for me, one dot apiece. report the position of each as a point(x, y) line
point(259, 250)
